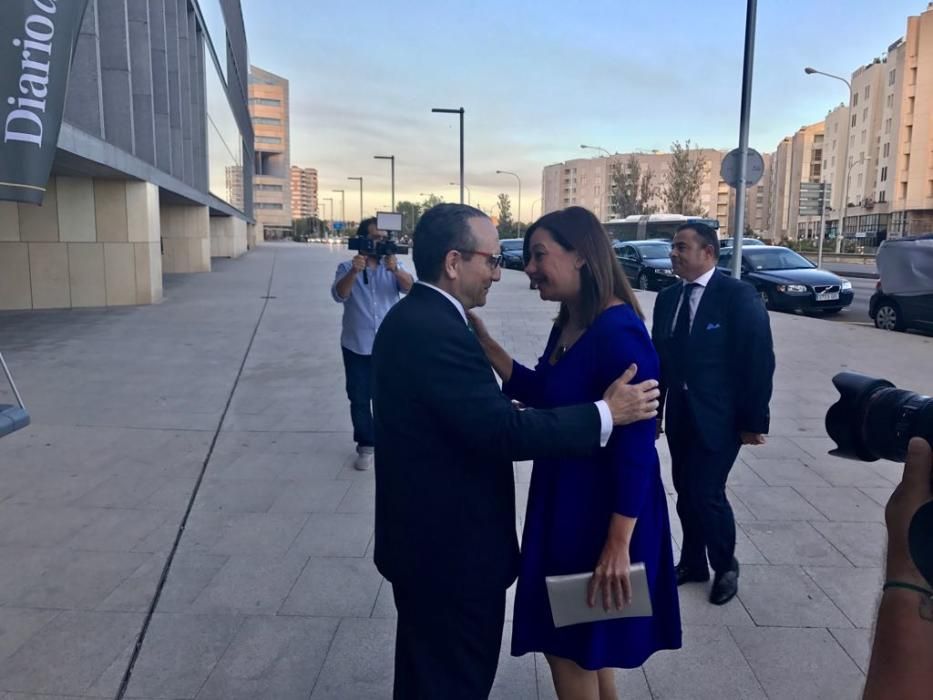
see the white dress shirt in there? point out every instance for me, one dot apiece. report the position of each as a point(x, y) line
point(695, 296)
point(605, 415)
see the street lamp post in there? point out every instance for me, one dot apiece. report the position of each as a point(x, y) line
point(537, 201)
point(343, 207)
point(390, 158)
point(845, 159)
point(361, 195)
point(596, 148)
point(515, 175)
point(459, 111)
point(469, 193)
point(331, 200)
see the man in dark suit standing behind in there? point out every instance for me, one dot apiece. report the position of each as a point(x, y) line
point(713, 336)
point(446, 437)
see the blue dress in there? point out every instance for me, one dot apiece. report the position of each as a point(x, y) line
point(571, 502)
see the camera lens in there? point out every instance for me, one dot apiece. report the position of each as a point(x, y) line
point(875, 420)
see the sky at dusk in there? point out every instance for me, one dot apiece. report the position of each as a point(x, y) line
point(537, 79)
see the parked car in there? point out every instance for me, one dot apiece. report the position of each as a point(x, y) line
point(728, 242)
point(647, 264)
point(904, 295)
point(788, 281)
point(513, 252)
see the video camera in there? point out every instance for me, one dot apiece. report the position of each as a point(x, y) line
point(391, 223)
point(874, 420)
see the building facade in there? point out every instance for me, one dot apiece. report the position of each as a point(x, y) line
point(156, 114)
point(304, 192)
point(587, 182)
point(797, 159)
point(887, 171)
point(269, 109)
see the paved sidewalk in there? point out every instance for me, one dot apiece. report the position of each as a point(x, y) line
point(273, 593)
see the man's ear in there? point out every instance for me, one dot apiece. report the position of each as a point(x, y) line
point(452, 264)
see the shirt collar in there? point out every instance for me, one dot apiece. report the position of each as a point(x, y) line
point(703, 280)
point(452, 299)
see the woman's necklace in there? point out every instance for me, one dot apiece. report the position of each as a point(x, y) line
point(568, 343)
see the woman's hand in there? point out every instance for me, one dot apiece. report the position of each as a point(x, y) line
point(611, 577)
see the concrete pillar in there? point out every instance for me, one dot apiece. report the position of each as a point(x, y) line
point(92, 243)
point(186, 238)
point(252, 236)
point(228, 237)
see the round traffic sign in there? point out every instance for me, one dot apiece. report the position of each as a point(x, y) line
point(754, 168)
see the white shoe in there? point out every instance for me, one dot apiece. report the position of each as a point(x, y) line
point(364, 459)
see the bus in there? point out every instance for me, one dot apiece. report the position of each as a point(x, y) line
point(640, 227)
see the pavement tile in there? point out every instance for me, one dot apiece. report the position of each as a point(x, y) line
point(785, 472)
point(241, 533)
point(776, 503)
point(238, 495)
point(799, 664)
point(784, 596)
point(792, 542)
point(854, 591)
point(361, 662)
point(179, 654)
point(708, 667)
point(335, 535)
point(250, 585)
point(857, 644)
point(863, 544)
point(842, 504)
point(334, 587)
point(307, 496)
point(69, 653)
point(271, 657)
point(18, 625)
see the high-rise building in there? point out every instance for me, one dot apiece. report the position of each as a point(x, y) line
point(587, 182)
point(304, 192)
point(148, 177)
point(797, 159)
point(269, 109)
point(889, 169)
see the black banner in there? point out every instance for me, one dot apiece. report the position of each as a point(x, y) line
point(37, 41)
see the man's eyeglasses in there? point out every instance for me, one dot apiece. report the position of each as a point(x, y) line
point(494, 261)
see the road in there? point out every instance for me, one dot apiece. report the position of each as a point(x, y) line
point(858, 311)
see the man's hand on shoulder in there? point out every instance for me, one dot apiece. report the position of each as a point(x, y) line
point(631, 403)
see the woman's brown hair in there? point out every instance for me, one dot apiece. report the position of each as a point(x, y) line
point(601, 277)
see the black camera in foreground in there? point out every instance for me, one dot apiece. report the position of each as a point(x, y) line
point(364, 245)
point(873, 420)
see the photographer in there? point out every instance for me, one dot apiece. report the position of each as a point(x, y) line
point(902, 655)
point(367, 286)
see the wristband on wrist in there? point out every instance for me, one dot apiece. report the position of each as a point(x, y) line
point(907, 586)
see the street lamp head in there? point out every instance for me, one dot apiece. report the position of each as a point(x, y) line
point(499, 172)
point(810, 71)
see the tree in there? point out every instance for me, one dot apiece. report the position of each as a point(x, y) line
point(632, 189)
point(411, 212)
point(309, 227)
point(506, 225)
point(684, 180)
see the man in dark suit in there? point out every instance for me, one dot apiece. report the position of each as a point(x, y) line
point(446, 438)
point(713, 336)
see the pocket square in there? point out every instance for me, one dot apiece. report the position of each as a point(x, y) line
point(712, 326)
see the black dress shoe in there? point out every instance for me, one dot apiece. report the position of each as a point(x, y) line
point(688, 575)
point(725, 586)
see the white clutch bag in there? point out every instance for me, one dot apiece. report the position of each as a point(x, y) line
point(567, 595)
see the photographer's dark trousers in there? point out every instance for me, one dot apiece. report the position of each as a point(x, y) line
point(358, 369)
point(700, 476)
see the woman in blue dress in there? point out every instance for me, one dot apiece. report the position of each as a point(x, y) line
point(599, 514)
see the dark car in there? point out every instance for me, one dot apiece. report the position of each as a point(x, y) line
point(787, 281)
point(512, 252)
point(904, 295)
point(647, 264)
point(728, 242)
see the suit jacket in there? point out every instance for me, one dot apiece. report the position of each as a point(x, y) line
point(728, 364)
point(446, 437)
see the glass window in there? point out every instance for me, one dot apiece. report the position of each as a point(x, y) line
point(267, 205)
point(854, 119)
point(867, 91)
point(224, 143)
point(269, 102)
point(268, 139)
point(892, 77)
point(855, 100)
point(216, 29)
point(271, 121)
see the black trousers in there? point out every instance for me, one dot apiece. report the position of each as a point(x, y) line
point(359, 371)
point(700, 476)
point(446, 647)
